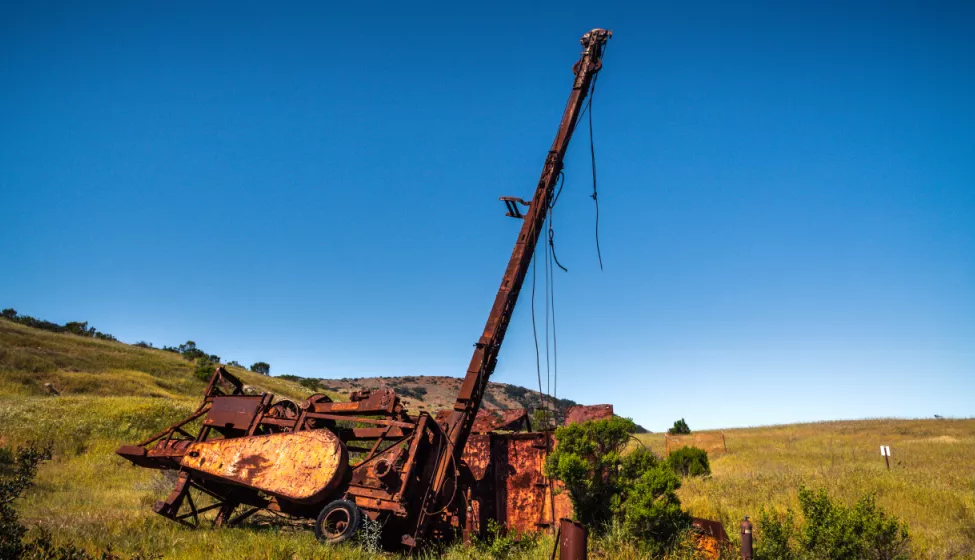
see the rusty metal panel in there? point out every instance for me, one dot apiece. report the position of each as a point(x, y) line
point(508, 420)
point(487, 421)
point(710, 528)
point(581, 413)
point(477, 455)
point(519, 461)
point(234, 412)
point(300, 466)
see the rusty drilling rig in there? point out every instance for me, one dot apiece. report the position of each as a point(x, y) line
point(422, 478)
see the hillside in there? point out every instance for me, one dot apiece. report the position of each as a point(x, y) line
point(31, 358)
point(433, 393)
point(112, 393)
point(75, 365)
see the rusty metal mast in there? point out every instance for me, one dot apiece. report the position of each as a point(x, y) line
point(485, 357)
point(252, 452)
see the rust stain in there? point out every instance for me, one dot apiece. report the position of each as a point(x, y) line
point(477, 455)
point(486, 421)
point(581, 413)
point(301, 466)
point(344, 406)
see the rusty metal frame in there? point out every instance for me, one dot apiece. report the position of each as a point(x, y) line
point(424, 471)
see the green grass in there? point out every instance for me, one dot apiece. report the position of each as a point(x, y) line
point(113, 393)
point(931, 484)
point(75, 365)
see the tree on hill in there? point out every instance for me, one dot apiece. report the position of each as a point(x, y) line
point(680, 428)
point(72, 327)
point(262, 368)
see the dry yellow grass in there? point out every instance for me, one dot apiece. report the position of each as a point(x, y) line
point(931, 484)
point(114, 394)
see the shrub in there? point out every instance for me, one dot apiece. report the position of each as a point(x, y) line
point(587, 460)
point(414, 392)
point(204, 369)
point(79, 328)
point(17, 471)
point(634, 493)
point(832, 531)
point(651, 508)
point(689, 461)
point(680, 428)
point(262, 368)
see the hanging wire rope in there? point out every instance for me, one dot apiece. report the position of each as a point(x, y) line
point(538, 365)
point(548, 276)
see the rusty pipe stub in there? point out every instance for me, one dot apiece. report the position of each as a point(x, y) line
point(574, 540)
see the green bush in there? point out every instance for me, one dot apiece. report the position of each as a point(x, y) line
point(689, 461)
point(79, 328)
point(587, 460)
point(680, 428)
point(650, 506)
point(832, 531)
point(204, 369)
point(609, 489)
point(416, 392)
point(17, 471)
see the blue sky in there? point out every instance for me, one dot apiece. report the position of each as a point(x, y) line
point(787, 193)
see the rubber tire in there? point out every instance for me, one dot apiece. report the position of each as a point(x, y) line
point(355, 521)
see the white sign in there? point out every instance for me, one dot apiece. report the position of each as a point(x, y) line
point(885, 450)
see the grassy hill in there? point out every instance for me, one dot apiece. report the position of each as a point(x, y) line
point(31, 358)
point(114, 393)
point(75, 365)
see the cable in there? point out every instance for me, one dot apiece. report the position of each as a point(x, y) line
point(538, 366)
point(548, 274)
point(592, 154)
point(555, 342)
point(551, 242)
point(551, 218)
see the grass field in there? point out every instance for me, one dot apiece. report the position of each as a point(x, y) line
point(114, 393)
point(931, 483)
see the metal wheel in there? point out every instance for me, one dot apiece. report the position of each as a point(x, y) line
point(338, 522)
point(284, 409)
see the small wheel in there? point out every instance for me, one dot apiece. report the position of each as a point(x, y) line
point(338, 521)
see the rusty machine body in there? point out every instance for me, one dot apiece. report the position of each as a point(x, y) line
point(422, 478)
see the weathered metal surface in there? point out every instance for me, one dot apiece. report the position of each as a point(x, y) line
point(710, 528)
point(746, 539)
point(301, 466)
point(477, 455)
point(485, 356)
point(573, 540)
point(236, 413)
point(487, 421)
point(582, 413)
point(527, 501)
point(512, 420)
